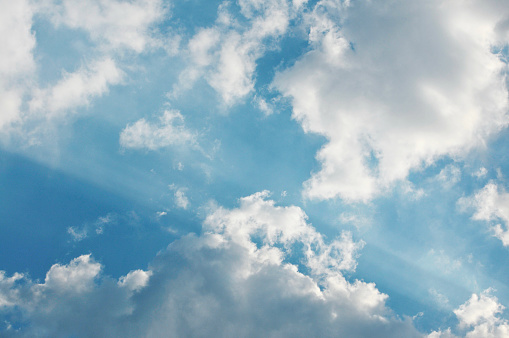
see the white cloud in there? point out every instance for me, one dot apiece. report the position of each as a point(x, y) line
point(481, 172)
point(480, 312)
point(76, 89)
point(168, 132)
point(8, 292)
point(181, 199)
point(76, 277)
point(97, 227)
point(112, 24)
point(135, 280)
point(479, 309)
point(232, 280)
point(77, 234)
point(74, 299)
point(262, 104)
point(160, 214)
point(226, 53)
point(439, 298)
point(441, 334)
point(491, 204)
point(257, 216)
point(449, 175)
point(478, 318)
point(30, 111)
point(16, 57)
point(395, 86)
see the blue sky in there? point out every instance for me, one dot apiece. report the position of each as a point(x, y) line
point(254, 168)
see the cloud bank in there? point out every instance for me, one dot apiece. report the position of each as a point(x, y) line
point(394, 86)
point(235, 279)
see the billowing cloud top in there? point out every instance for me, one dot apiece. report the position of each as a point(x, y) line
point(395, 86)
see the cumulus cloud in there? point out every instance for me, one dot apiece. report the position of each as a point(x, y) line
point(76, 277)
point(480, 313)
point(73, 299)
point(112, 24)
point(226, 53)
point(235, 279)
point(114, 27)
point(394, 86)
point(168, 132)
point(135, 280)
point(479, 318)
point(491, 204)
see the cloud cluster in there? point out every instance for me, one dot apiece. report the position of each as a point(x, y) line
point(478, 318)
point(111, 24)
point(113, 27)
point(491, 204)
point(169, 131)
point(394, 86)
point(235, 279)
point(226, 53)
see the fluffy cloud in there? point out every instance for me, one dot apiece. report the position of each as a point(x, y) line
point(235, 279)
point(226, 53)
point(169, 131)
point(113, 27)
point(135, 280)
point(478, 318)
point(478, 309)
point(491, 204)
point(395, 85)
point(112, 24)
point(70, 301)
point(76, 277)
point(16, 57)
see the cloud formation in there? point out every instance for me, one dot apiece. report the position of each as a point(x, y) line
point(76, 89)
point(17, 62)
point(113, 27)
point(169, 131)
point(226, 53)
point(395, 86)
point(491, 204)
point(235, 279)
point(111, 24)
point(478, 318)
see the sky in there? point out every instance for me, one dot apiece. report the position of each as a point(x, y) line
point(254, 168)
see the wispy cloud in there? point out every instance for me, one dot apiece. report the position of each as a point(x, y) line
point(490, 204)
point(169, 131)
